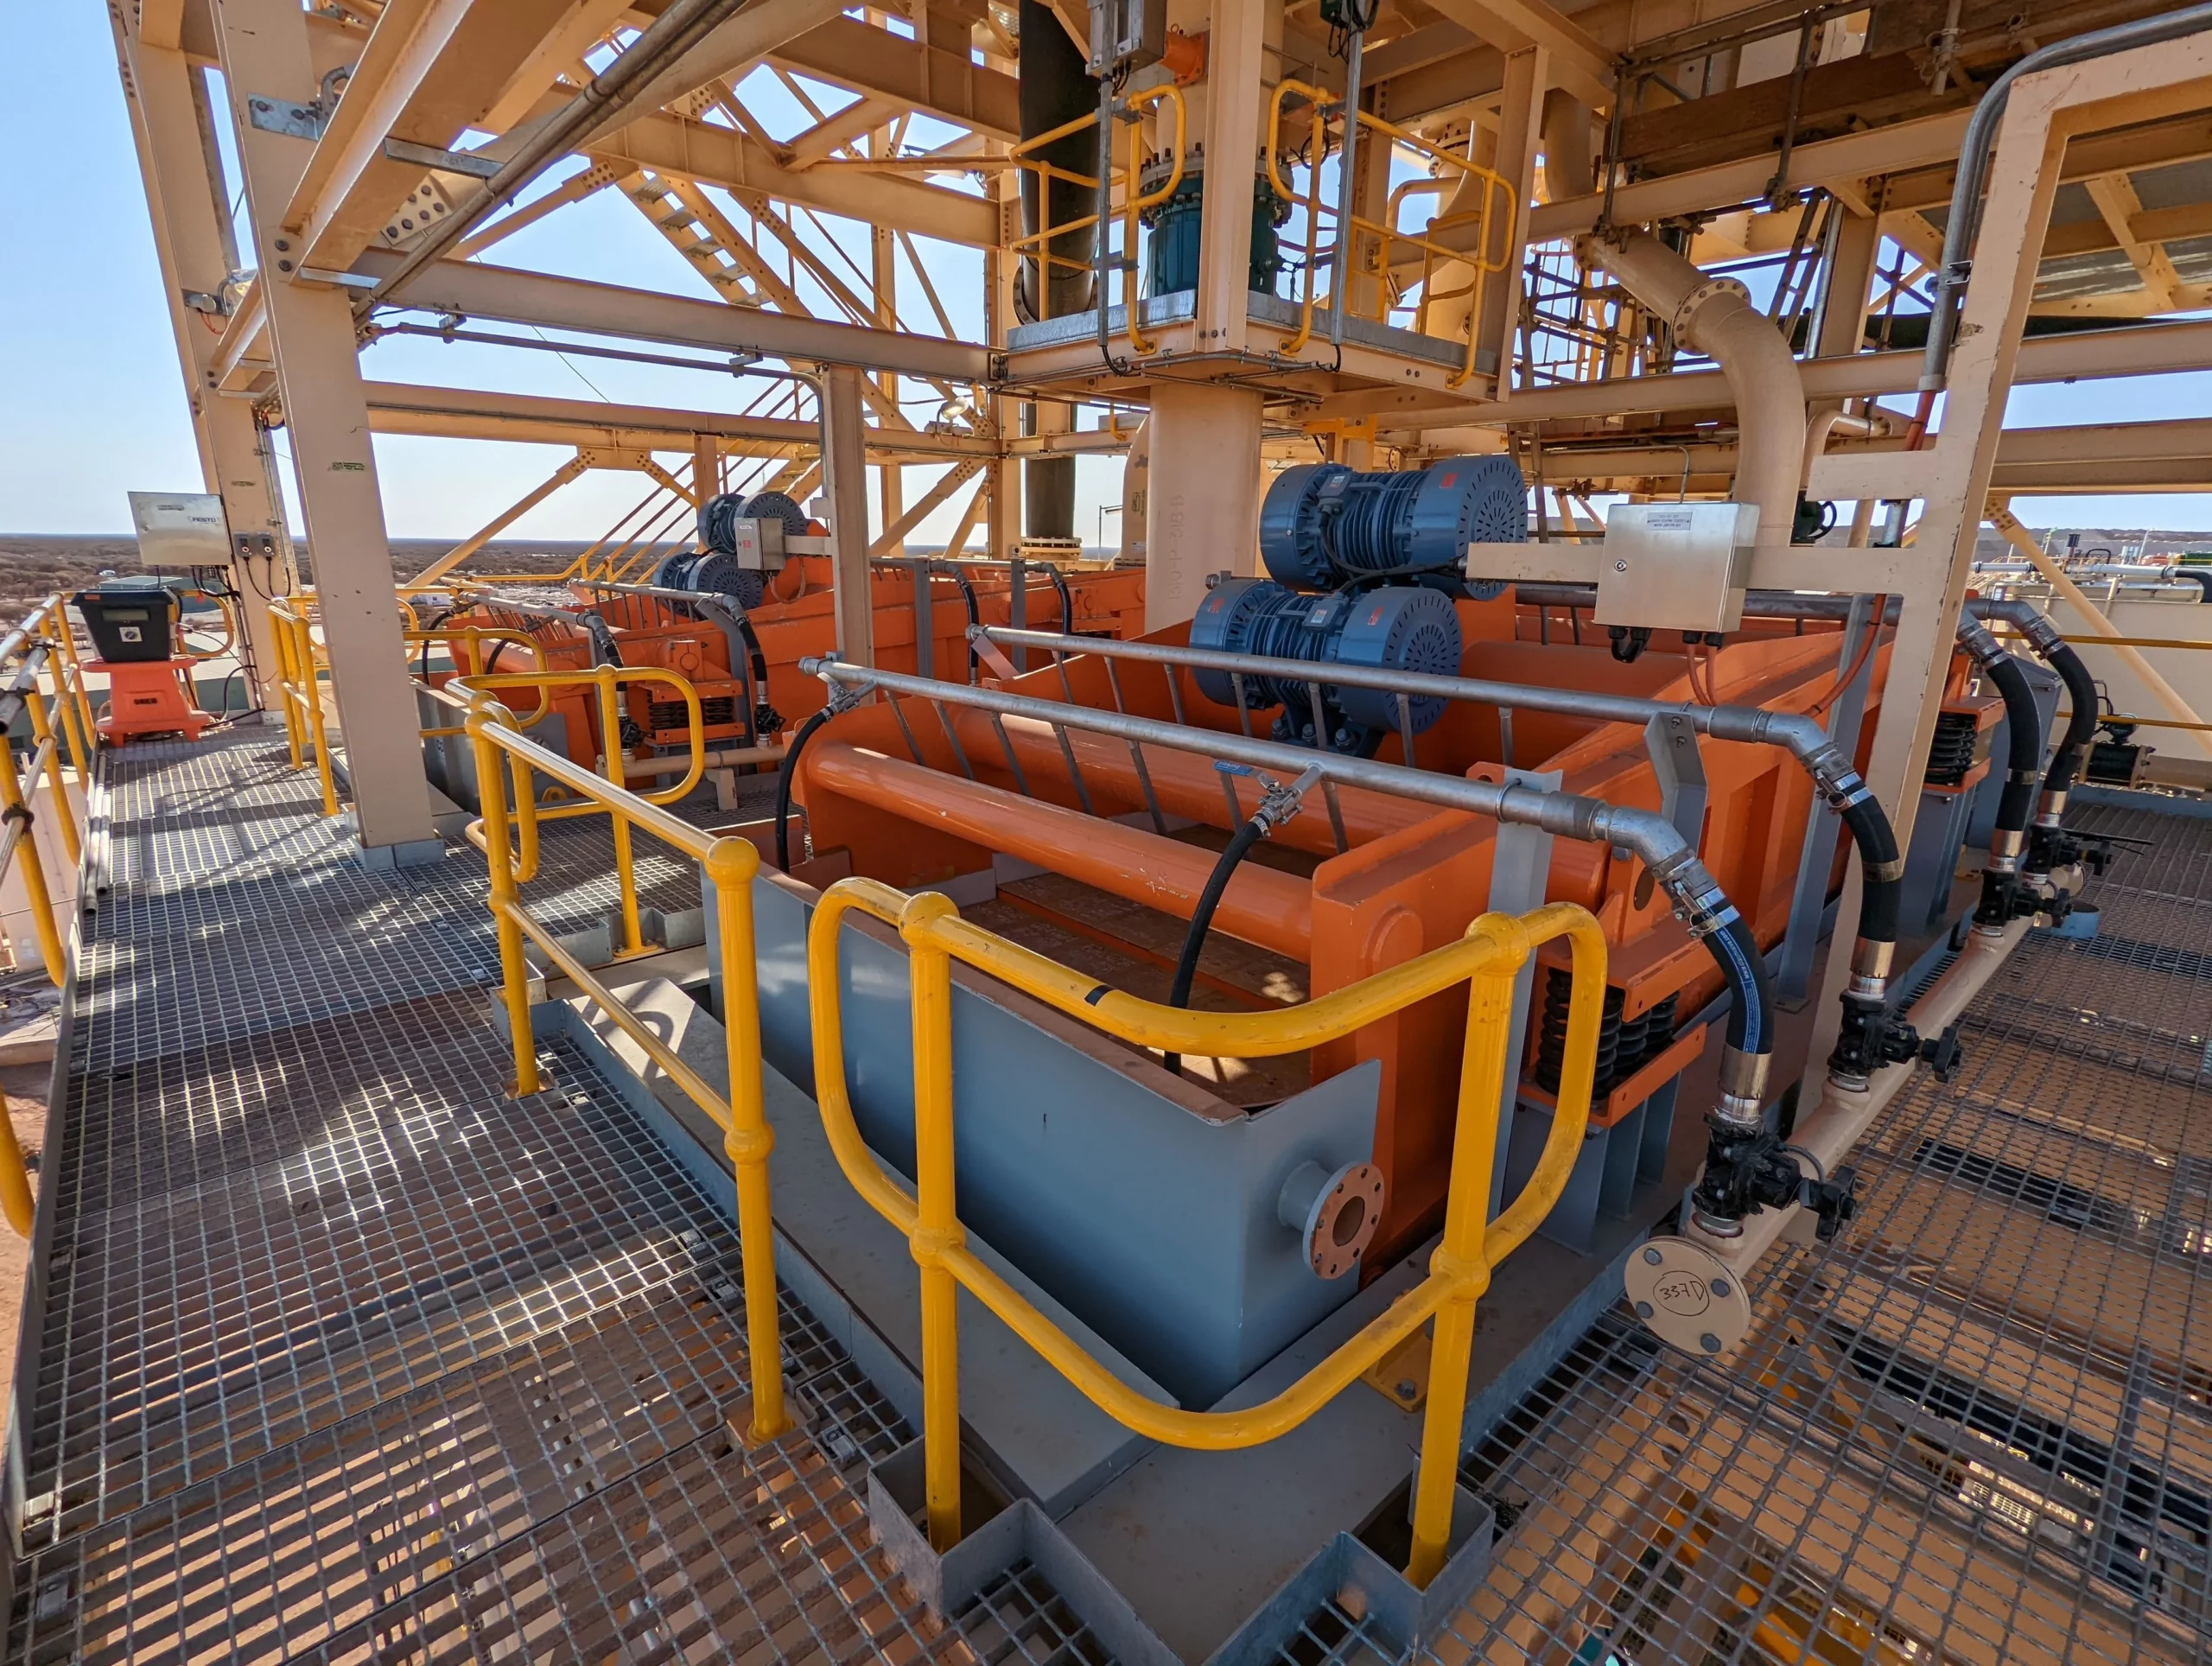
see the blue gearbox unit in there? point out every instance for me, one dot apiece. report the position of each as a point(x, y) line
point(1397, 627)
point(1325, 526)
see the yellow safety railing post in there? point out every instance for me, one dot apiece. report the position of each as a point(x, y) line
point(610, 726)
point(1486, 958)
point(937, 1223)
point(1459, 1259)
point(16, 1199)
point(20, 842)
point(68, 638)
point(287, 686)
point(311, 680)
point(514, 968)
point(49, 748)
point(732, 864)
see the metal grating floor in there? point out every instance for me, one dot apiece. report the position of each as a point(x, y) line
point(1976, 1427)
point(347, 1355)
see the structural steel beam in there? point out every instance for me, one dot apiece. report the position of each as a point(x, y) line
point(744, 166)
point(565, 303)
point(431, 70)
point(2089, 356)
point(1579, 62)
point(910, 73)
point(733, 46)
point(468, 414)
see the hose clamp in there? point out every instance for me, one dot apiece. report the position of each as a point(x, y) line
point(1885, 872)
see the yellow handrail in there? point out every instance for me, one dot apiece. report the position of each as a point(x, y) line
point(59, 715)
point(732, 864)
point(472, 638)
point(607, 681)
point(299, 685)
point(1038, 244)
point(1487, 958)
point(1355, 227)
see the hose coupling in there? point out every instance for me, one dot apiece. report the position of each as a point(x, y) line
point(1743, 1083)
point(1872, 960)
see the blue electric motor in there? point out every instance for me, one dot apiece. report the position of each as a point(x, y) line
point(713, 569)
point(1364, 568)
point(1325, 526)
point(1396, 627)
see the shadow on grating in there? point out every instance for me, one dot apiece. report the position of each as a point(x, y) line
point(189, 1331)
point(713, 1552)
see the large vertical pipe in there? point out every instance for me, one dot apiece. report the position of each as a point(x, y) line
point(1055, 90)
point(1713, 316)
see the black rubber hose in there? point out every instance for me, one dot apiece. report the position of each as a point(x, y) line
point(1751, 1013)
point(1880, 900)
point(2081, 728)
point(1194, 939)
point(2016, 807)
point(1067, 602)
point(423, 670)
point(783, 786)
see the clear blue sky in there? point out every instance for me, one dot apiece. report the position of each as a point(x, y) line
point(91, 404)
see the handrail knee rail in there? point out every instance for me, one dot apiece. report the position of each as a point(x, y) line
point(1487, 958)
point(731, 863)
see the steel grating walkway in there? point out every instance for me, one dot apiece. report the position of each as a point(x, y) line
point(1973, 1428)
point(346, 1357)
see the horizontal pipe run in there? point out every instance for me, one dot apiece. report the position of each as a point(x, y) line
point(1804, 739)
point(1844, 1115)
point(1273, 910)
point(648, 769)
point(1672, 863)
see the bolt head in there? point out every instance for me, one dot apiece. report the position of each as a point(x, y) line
point(1652, 1257)
point(283, 265)
point(1406, 1388)
point(1645, 1310)
point(283, 246)
point(1720, 1286)
point(1709, 1342)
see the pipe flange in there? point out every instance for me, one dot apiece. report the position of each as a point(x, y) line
point(1697, 297)
point(1688, 1297)
point(1335, 1215)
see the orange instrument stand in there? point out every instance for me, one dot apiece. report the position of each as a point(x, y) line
point(148, 696)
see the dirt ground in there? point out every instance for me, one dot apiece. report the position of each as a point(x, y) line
point(33, 566)
point(26, 1086)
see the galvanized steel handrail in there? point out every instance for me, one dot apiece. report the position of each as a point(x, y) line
point(1488, 959)
point(731, 864)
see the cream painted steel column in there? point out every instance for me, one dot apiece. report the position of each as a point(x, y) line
point(844, 482)
point(2023, 179)
point(191, 236)
point(1843, 320)
point(265, 53)
point(1203, 493)
point(1237, 70)
point(1520, 123)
